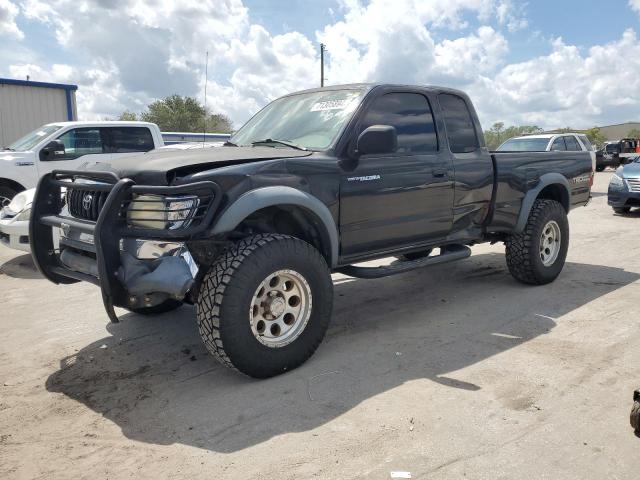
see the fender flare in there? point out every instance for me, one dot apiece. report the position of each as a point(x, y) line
point(260, 198)
point(531, 196)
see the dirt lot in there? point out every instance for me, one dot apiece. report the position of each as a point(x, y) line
point(451, 371)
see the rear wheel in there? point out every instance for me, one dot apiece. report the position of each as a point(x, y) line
point(6, 195)
point(265, 305)
point(536, 256)
point(622, 210)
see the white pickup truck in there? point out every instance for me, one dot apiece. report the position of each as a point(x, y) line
point(67, 145)
point(60, 146)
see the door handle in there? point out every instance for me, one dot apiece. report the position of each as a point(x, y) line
point(439, 172)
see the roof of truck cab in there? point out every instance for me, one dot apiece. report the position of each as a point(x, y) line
point(545, 135)
point(371, 86)
point(107, 123)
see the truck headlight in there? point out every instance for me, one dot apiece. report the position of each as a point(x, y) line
point(156, 211)
point(616, 181)
point(24, 214)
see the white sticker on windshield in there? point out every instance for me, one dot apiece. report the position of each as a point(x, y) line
point(41, 133)
point(330, 105)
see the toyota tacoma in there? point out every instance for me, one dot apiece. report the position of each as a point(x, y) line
point(316, 182)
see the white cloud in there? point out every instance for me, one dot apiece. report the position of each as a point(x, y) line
point(123, 54)
point(8, 13)
point(635, 5)
point(566, 87)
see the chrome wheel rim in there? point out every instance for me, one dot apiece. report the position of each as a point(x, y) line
point(550, 241)
point(280, 308)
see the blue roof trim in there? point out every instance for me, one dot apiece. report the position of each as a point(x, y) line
point(25, 83)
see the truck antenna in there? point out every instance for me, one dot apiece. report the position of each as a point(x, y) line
point(206, 79)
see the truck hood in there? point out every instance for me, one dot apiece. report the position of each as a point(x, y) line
point(159, 167)
point(9, 156)
point(631, 170)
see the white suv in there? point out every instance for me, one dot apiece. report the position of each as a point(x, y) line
point(550, 142)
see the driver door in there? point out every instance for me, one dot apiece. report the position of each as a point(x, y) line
point(401, 198)
point(81, 145)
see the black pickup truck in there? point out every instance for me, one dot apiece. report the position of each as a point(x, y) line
point(316, 182)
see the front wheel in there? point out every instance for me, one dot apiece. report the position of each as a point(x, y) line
point(265, 304)
point(621, 210)
point(536, 256)
point(6, 195)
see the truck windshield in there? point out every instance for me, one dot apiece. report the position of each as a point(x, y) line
point(524, 145)
point(307, 120)
point(31, 139)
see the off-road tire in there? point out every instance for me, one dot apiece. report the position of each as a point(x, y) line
point(621, 210)
point(635, 418)
point(6, 195)
point(523, 249)
point(226, 295)
point(164, 307)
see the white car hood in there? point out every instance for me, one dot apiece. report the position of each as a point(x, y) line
point(8, 156)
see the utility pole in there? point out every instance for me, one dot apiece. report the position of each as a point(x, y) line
point(322, 64)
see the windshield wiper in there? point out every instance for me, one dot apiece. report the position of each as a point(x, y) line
point(7, 148)
point(281, 142)
point(229, 144)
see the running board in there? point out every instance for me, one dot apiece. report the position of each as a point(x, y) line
point(451, 253)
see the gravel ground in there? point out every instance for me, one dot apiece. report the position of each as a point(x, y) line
point(451, 371)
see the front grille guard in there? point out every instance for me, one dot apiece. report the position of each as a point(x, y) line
point(108, 230)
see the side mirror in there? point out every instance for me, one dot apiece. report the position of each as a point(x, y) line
point(377, 139)
point(53, 150)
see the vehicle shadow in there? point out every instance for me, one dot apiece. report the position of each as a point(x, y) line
point(155, 380)
point(21, 267)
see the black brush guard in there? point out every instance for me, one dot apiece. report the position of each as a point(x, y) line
point(110, 227)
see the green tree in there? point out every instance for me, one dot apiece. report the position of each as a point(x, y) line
point(595, 136)
point(128, 116)
point(497, 134)
point(184, 114)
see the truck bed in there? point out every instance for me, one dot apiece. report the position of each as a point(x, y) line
point(519, 173)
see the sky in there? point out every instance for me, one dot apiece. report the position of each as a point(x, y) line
point(538, 62)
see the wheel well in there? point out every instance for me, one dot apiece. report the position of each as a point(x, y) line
point(289, 220)
point(11, 184)
point(556, 192)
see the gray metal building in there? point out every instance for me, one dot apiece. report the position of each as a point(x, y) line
point(25, 105)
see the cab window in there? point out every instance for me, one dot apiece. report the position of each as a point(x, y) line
point(572, 144)
point(459, 124)
point(81, 141)
point(129, 140)
point(558, 145)
point(410, 114)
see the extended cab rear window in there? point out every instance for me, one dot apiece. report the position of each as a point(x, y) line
point(459, 123)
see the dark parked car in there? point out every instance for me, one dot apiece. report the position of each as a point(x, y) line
point(316, 182)
point(624, 186)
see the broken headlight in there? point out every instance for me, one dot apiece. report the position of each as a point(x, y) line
point(156, 211)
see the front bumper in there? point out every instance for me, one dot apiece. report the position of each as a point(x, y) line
point(623, 198)
point(15, 234)
point(103, 262)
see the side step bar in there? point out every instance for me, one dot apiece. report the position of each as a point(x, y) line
point(450, 253)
